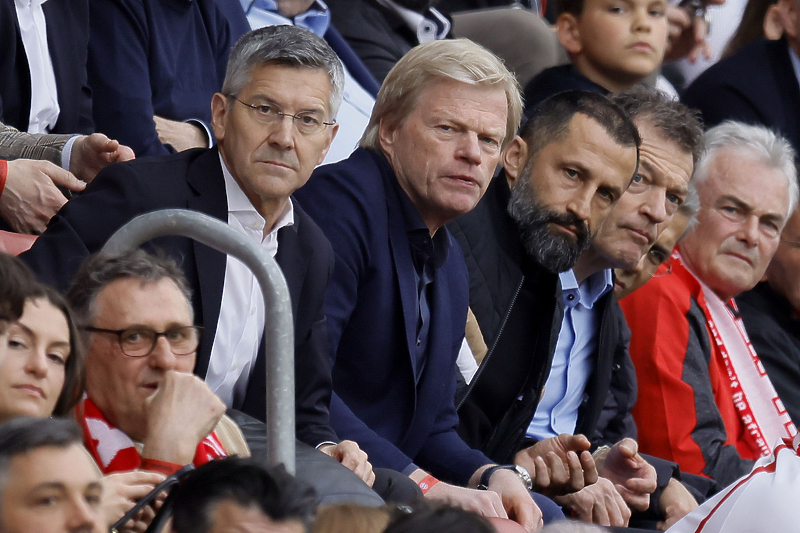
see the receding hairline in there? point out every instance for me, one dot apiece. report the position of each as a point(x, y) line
point(143, 282)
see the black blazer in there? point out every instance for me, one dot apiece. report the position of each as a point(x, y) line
point(756, 85)
point(193, 180)
point(68, 41)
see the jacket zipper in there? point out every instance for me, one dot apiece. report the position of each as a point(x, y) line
point(494, 345)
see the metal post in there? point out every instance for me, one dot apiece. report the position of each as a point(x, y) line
point(278, 329)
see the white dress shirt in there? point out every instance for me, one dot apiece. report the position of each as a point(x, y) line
point(241, 318)
point(44, 96)
point(427, 29)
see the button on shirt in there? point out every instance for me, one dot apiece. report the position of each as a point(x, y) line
point(44, 96)
point(356, 108)
point(573, 361)
point(241, 318)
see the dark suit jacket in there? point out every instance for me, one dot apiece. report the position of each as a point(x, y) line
point(193, 180)
point(372, 318)
point(68, 40)
point(756, 85)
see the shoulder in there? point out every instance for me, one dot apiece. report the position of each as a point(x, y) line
point(739, 69)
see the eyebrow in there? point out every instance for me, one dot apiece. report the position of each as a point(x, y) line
point(741, 204)
point(267, 100)
point(33, 334)
point(650, 169)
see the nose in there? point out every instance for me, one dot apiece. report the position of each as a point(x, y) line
point(469, 148)
point(81, 516)
point(642, 20)
point(281, 134)
point(655, 205)
point(581, 204)
point(162, 357)
point(36, 363)
point(749, 231)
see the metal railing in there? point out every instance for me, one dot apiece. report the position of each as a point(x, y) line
point(278, 328)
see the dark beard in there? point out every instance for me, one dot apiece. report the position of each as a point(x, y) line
point(420, 6)
point(556, 253)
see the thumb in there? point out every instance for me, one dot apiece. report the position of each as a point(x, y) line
point(577, 442)
point(65, 178)
point(628, 447)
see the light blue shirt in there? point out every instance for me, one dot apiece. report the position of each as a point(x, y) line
point(573, 360)
point(353, 115)
point(795, 63)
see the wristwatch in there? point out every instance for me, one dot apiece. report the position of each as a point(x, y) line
point(520, 471)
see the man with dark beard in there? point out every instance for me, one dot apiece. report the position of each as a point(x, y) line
point(382, 31)
point(562, 176)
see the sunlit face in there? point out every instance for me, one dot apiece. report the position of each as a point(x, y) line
point(445, 151)
point(658, 189)
point(271, 161)
point(628, 280)
point(578, 179)
point(230, 517)
point(119, 384)
point(783, 272)
point(52, 489)
point(32, 375)
point(616, 43)
point(739, 224)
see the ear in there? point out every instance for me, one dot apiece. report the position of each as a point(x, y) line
point(514, 158)
point(219, 110)
point(386, 134)
point(568, 33)
point(331, 133)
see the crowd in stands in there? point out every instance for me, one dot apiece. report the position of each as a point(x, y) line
point(542, 260)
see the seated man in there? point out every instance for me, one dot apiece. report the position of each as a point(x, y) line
point(397, 304)
point(28, 193)
point(49, 483)
point(274, 122)
point(771, 313)
point(239, 495)
point(704, 401)
point(143, 407)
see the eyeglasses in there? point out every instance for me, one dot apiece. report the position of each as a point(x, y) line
point(141, 341)
point(663, 269)
point(306, 122)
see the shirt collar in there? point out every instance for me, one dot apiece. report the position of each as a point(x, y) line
point(589, 291)
point(243, 209)
point(315, 19)
point(26, 4)
point(431, 28)
point(795, 63)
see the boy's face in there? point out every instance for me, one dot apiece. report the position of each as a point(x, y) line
point(616, 43)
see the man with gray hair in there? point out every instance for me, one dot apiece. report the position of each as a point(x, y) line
point(274, 122)
point(704, 400)
point(397, 303)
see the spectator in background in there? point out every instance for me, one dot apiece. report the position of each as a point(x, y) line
point(771, 313)
point(29, 196)
point(236, 494)
point(44, 86)
point(703, 401)
point(360, 86)
point(153, 68)
point(382, 31)
point(610, 48)
point(50, 484)
point(349, 518)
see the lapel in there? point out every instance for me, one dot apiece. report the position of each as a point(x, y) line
point(293, 259)
point(600, 379)
point(205, 179)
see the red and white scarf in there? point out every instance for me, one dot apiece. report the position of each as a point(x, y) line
point(114, 451)
point(763, 415)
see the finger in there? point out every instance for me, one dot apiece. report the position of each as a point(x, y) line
point(600, 515)
point(628, 447)
point(634, 500)
point(699, 29)
point(575, 471)
point(578, 442)
point(497, 505)
point(541, 473)
point(528, 515)
point(640, 485)
point(621, 509)
point(558, 476)
point(143, 476)
point(589, 468)
point(680, 18)
point(124, 153)
point(370, 478)
point(62, 177)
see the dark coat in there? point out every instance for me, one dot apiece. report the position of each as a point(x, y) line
point(193, 180)
point(68, 41)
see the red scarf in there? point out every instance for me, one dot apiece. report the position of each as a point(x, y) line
point(114, 451)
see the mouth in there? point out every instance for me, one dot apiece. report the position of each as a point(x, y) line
point(279, 164)
point(468, 181)
point(642, 46)
point(151, 387)
point(33, 390)
point(567, 228)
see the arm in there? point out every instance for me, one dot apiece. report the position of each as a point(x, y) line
point(16, 144)
point(677, 415)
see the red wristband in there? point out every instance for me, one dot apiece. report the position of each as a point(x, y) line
point(427, 483)
point(155, 465)
point(3, 175)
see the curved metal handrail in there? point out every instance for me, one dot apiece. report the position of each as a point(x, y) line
point(278, 327)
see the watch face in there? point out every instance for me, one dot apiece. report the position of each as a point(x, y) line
point(524, 475)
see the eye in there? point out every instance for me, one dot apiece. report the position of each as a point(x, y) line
point(59, 358)
point(266, 110)
point(656, 257)
point(616, 9)
point(17, 344)
point(571, 173)
point(176, 334)
point(606, 194)
point(444, 127)
point(656, 12)
point(674, 199)
point(770, 228)
point(309, 119)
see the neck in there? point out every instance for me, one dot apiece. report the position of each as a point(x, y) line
point(600, 78)
point(589, 263)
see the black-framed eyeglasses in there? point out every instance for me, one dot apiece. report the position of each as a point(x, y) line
point(141, 341)
point(306, 122)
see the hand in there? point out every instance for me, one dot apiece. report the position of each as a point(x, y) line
point(181, 135)
point(675, 503)
point(687, 35)
point(92, 153)
point(350, 455)
point(30, 198)
point(555, 466)
point(634, 478)
point(516, 499)
point(598, 504)
point(181, 413)
point(120, 492)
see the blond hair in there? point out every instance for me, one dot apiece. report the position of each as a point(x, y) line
point(457, 59)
